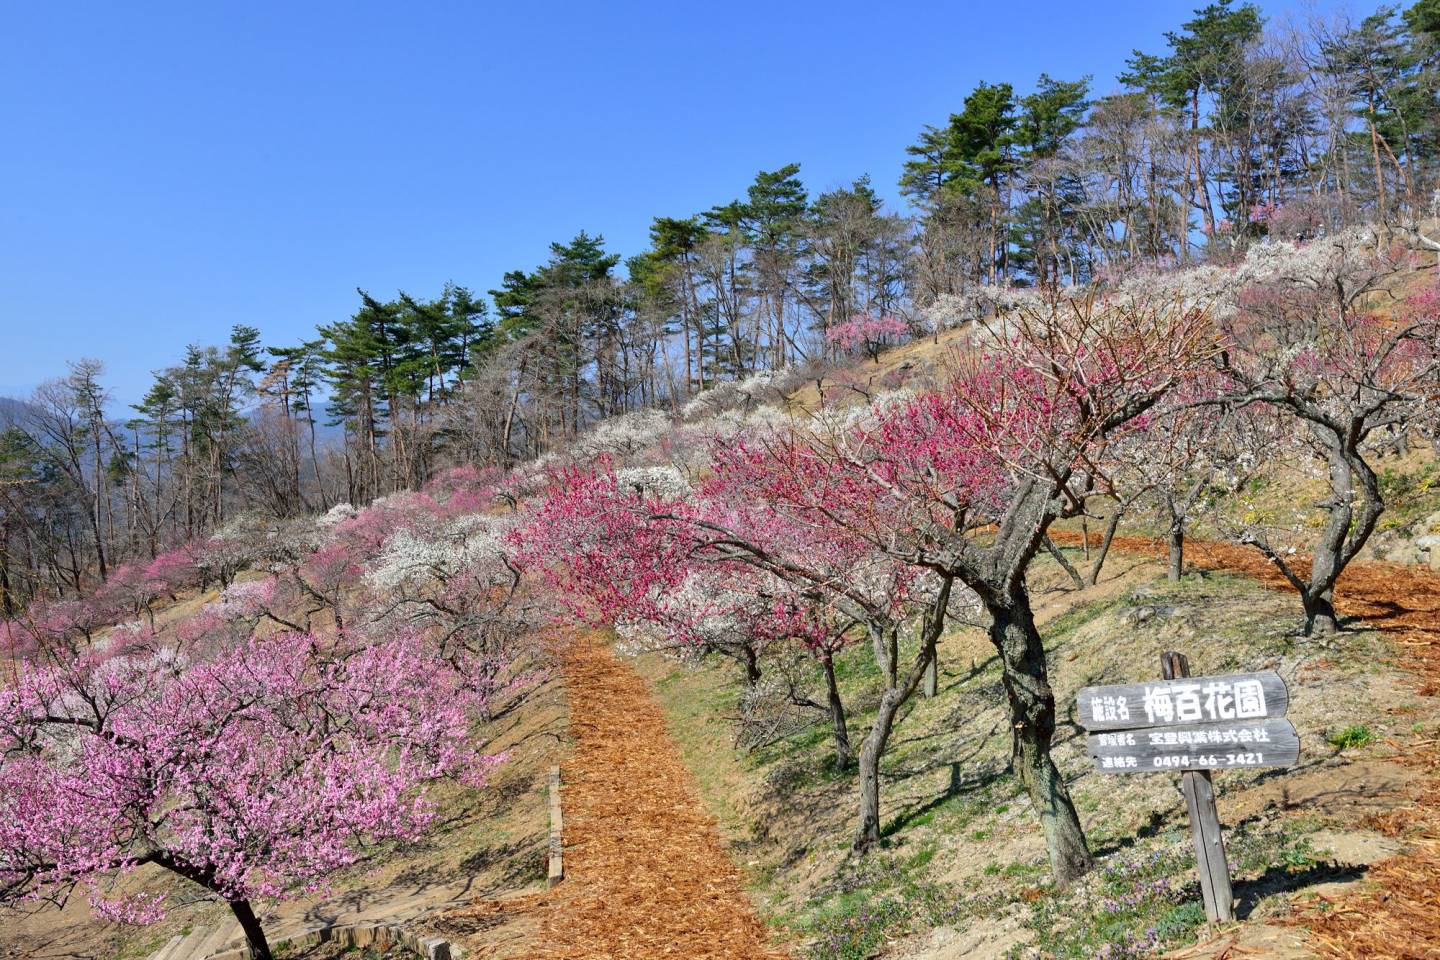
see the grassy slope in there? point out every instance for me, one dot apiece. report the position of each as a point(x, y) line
point(963, 872)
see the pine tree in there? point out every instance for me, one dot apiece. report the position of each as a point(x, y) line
point(1204, 61)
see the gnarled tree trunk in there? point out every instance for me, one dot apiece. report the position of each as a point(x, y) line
point(1032, 711)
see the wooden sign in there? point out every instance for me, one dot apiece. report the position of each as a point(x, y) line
point(1186, 700)
point(1199, 746)
point(1191, 726)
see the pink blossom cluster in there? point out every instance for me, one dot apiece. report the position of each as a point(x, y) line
point(868, 332)
point(250, 768)
point(252, 762)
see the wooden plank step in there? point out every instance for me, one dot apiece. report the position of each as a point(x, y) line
point(167, 952)
point(189, 948)
point(223, 933)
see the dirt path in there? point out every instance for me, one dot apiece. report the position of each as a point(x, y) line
point(1396, 916)
point(646, 874)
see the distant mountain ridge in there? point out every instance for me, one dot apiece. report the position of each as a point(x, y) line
point(13, 411)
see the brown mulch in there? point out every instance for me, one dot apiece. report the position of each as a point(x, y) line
point(1400, 599)
point(1396, 915)
point(646, 874)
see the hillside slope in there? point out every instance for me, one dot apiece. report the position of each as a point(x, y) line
point(963, 873)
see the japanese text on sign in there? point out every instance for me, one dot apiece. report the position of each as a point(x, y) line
point(1235, 699)
point(1204, 746)
point(1182, 761)
point(1171, 738)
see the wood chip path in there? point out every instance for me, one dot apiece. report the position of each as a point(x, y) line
point(646, 873)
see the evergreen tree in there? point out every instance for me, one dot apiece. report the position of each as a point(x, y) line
point(1204, 62)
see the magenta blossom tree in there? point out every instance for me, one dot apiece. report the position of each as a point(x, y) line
point(719, 548)
point(965, 482)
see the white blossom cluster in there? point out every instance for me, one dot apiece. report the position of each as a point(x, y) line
point(252, 540)
point(689, 443)
point(754, 390)
point(713, 616)
point(636, 637)
point(664, 482)
point(1309, 265)
point(975, 304)
point(336, 515)
point(622, 436)
point(415, 556)
point(863, 417)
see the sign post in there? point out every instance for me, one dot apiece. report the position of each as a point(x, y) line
point(1199, 790)
point(1193, 725)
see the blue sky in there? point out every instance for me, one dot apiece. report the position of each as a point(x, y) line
point(169, 170)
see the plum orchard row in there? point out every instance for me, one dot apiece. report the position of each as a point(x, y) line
point(257, 746)
point(876, 526)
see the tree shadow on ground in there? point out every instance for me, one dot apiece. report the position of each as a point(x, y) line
point(1158, 821)
point(1281, 879)
point(956, 788)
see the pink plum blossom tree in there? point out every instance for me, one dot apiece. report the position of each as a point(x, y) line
point(631, 554)
point(868, 333)
point(964, 483)
point(250, 769)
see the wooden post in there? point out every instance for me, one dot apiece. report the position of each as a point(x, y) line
point(932, 676)
point(1199, 790)
point(557, 832)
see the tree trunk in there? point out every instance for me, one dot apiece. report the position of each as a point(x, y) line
point(1111, 525)
point(1379, 171)
point(844, 753)
point(1065, 564)
point(1343, 537)
point(1177, 552)
point(1320, 618)
point(899, 689)
point(752, 666)
point(254, 933)
point(867, 834)
point(314, 458)
point(1032, 712)
point(7, 602)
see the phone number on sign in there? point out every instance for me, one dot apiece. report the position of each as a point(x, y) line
point(1210, 760)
